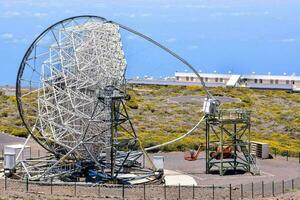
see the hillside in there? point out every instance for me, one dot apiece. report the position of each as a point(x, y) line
point(161, 113)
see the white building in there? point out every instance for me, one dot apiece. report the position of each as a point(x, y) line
point(234, 80)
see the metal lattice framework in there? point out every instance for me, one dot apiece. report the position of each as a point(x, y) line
point(85, 59)
point(70, 93)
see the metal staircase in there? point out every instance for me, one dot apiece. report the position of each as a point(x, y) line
point(254, 169)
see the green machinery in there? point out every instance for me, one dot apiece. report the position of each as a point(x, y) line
point(228, 142)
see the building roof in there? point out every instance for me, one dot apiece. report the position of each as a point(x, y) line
point(270, 77)
point(246, 76)
point(208, 75)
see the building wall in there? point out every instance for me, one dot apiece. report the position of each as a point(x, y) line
point(253, 81)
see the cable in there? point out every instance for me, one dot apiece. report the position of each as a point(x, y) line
point(177, 139)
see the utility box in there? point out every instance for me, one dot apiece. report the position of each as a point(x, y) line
point(9, 161)
point(210, 106)
point(158, 162)
point(15, 149)
point(260, 149)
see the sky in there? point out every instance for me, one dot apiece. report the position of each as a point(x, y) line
point(213, 35)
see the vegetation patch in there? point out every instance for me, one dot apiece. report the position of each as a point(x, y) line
point(275, 115)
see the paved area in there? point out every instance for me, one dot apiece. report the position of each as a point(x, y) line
point(271, 169)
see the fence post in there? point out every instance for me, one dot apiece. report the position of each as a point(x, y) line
point(287, 155)
point(165, 191)
point(262, 189)
point(99, 190)
point(213, 191)
point(5, 183)
point(123, 191)
point(282, 186)
point(273, 189)
point(144, 191)
point(27, 184)
point(230, 191)
point(275, 152)
point(38, 153)
point(193, 191)
point(252, 190)
point(51, 186)
point(75, 188)
point(299, 157)
point(242, 191)
point(179, 191)
point(293, 187)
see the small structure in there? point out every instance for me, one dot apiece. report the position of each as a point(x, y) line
point(228, 142)
point(260, 149)
point(14, 153)
point(16, 149)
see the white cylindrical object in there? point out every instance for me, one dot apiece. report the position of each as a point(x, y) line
point(9, 160)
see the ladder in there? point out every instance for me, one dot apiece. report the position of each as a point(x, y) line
point(254, 169)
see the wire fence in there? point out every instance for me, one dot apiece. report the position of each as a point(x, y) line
point(82, 190)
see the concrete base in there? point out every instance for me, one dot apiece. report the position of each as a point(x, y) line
point(176, 178)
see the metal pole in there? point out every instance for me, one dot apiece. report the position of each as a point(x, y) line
point(213, 191)
point(179, 191)
point(287, 155)
point(193, 191)
point(252, 190)
point(51, 186)
point(275, 152)
point(230, 191)
point(144, 191)
point(282, 186)
point(27, 184)
point(165, 191)
point(273, 189)
point(242, 191)
point(123, 191)
point(262, 189)
point(293, 187)
point(75, 188)
point(99, 190)
point(5, 183)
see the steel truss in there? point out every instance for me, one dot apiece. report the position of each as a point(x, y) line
point(73, 78)
point(228, 142)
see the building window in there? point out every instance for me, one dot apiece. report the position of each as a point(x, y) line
point(187, 78)
point(293, 82)
point(206, 79)
point(287, 82)
point(276, 81)
point(221, 80)
point(192, 78)
point(201, 78)
point(260, 81)
point(177, 78)
point(255, 80)
point(216, 80)
point(272, 81)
